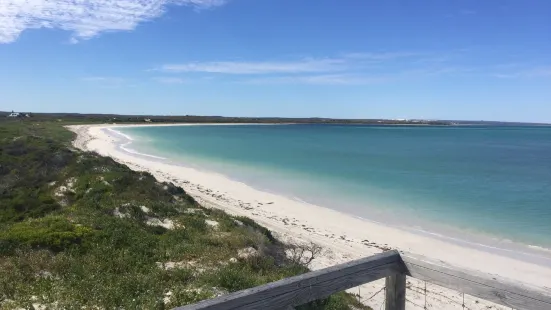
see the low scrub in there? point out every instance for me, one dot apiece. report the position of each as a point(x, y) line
point(54, 233)
point(78, 230)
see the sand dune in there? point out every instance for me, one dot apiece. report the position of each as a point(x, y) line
point(343, 237)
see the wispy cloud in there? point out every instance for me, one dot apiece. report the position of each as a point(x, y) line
point(359, 78)
point(467, 12)
point(169, 80)
point(108, 81)
point(381, 56)
point(321, 79)
point(242, 67)
point(538, 72)
point(341, 63)
point(84, 18)
point(344, 69)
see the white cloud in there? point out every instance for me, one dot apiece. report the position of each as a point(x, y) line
point(84, 18)
point(345, 62)
point(237, 67)
point(358, 78)
point(346, 69)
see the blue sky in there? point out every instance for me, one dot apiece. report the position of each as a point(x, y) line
point(436, 59)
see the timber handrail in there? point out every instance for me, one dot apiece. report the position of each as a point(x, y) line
point(393, 266)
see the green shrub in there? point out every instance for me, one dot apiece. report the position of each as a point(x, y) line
point(196, 223)
point(338, 301)
point(233, 277)
point(250, 223)
point(186, 296)
point(53, 232)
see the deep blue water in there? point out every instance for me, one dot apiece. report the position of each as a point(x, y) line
point(493, 181)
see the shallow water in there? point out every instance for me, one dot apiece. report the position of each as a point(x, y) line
point(493, 182)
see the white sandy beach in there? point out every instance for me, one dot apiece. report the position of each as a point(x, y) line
point(343, 236)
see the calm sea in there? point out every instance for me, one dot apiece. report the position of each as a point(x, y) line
point(487, 181)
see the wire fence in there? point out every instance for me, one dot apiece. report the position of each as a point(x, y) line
point(424, 296)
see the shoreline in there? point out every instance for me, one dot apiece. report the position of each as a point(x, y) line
point(345, 237)
point(480, 240)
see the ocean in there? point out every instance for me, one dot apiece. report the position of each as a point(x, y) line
point(488, 183)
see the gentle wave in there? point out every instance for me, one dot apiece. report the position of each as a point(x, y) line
point(127, 137)
point(298, 199)
point(463, 241)
point(539, 248)
point(124, 146)
point(128, 150)
point(482, 245)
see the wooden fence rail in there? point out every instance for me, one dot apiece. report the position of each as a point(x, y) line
point(393, 266)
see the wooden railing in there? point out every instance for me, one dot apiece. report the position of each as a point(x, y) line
point(298, 290)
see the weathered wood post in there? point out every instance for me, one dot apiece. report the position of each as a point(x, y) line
point(395, 298)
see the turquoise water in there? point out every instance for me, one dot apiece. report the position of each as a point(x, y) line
point(492, 181)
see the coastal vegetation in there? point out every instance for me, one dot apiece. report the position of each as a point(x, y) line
point(78, 230)
point(115, 118)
